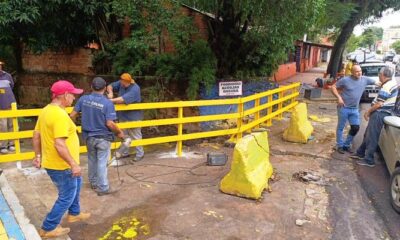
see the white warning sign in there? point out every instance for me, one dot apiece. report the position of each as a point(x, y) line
point(230, 88)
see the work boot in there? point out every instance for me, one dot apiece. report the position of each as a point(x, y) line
point(58, 231)
point(340, 150)
point(76, 218)
point(348, 149)
point(108, 192)
point(138, 158)
point(356, 156)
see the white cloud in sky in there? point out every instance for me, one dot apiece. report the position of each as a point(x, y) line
point(389, 18)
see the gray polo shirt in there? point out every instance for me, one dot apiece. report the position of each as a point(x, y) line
point(351, 89)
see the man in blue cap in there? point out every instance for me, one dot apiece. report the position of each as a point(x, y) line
point(98, 115)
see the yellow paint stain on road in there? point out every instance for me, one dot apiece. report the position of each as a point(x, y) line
point(130, 233)
point(126, 228)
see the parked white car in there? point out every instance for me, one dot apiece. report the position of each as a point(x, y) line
point(389, 143)
point(396, 59)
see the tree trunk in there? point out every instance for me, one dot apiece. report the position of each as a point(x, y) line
point(17, 47)
point(340, 44)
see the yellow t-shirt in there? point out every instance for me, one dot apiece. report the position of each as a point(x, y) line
point(54, 122)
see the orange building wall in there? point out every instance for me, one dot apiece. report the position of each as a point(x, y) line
point(285, 71)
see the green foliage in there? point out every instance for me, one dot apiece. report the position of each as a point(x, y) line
point(48, 24)
point(353, 43)
point(252, 37)
point(369, 37)
point(194, 63)
point(362, 11)
point(396, 46)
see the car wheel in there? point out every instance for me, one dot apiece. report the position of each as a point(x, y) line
point(395, 190)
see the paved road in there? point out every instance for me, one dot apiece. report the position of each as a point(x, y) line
point(375, 182)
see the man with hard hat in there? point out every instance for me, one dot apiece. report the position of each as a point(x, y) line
point(6, 98)
point(128, 92)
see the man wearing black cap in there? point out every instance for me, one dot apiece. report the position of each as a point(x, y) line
point(98, 115)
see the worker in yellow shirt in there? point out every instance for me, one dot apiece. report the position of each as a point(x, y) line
point(349, 66)
point(56, 146)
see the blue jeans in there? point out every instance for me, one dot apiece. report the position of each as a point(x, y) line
point(135, 134)
point(370, 141)
point(98, 155)
point(69, 188)
point(345, 114)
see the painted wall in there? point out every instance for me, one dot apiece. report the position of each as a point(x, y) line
point(285, 71)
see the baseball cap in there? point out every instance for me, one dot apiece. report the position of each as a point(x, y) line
point(126, 77)
point(63, 86)
point(98, 83)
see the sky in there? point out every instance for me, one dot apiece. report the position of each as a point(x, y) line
point(388, 19)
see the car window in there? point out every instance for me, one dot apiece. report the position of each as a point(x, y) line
point(371, 71)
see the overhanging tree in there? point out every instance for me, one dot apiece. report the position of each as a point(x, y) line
point(253, 37)
point(396, 46)
point(41, 25)
point(361, 11)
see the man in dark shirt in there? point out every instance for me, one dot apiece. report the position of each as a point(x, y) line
point(98, 115)
point(6, 98)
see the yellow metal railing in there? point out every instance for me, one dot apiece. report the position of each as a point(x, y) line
point(262, 114)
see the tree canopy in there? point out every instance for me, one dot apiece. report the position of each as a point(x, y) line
point(369, 37)
point(254, 37)
point(396, 46)
point(359, 12)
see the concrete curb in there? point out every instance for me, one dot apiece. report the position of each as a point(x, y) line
point(27, 228)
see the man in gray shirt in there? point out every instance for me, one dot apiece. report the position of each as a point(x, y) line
point(348, 91)
point(6, 98)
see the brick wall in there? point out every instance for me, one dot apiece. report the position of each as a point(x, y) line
point(33, 89)
point(285, 71)
point(78, 61)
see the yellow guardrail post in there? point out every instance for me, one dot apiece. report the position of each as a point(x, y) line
point(269, 111)
point(280, 105)
point(240, 119)
point(180, 131)
point(257, 114)
point(15, 129)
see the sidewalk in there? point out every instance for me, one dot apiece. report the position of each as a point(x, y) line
point(309, 78)
point(13, 222)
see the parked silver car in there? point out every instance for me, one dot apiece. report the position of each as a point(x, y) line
point(389, 143)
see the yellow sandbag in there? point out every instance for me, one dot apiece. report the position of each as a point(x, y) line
point(300, 129)
point(250, 169)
